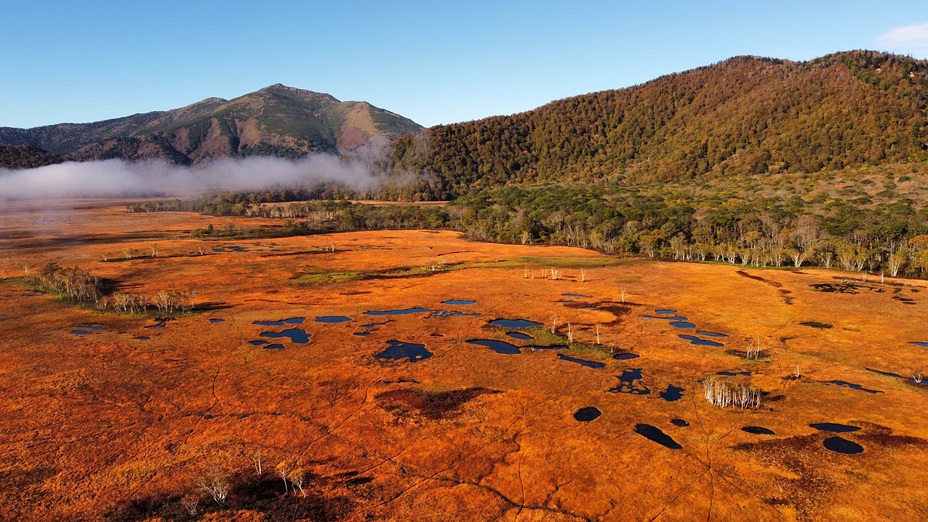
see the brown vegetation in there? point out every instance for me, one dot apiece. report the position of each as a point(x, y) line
point(110, 426)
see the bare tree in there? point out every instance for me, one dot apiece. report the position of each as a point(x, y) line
point(724, 394)
point(256, 459)
point(297, 477)
point(216, 483)
point(896, 260)
point(283, 469)
point(753, 350)
point(191, 503)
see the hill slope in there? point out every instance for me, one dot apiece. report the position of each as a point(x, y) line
point(746, 115)
point(25, 157)
point(276, 120)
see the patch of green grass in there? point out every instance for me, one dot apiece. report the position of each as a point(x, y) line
point(317, 277)
point(331, 277)
point(542, 336)
point(596, 350)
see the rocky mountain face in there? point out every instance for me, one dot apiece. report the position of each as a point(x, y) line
point(277, 120)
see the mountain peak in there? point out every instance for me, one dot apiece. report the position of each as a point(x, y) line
point(276, 120)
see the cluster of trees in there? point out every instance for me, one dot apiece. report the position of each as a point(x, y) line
point(744, 116)
point(301, 217)
point(69, 283)
point(724, 394)
point(655, 221)
point(164, 302)
point(80, 285)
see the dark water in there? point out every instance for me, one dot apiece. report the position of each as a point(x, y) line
point(710, 334)
point(834, 428)
point(682, 324)
point(520, 336)
point(672, 393)
point(155, 326)
point(403, 311)
point(296, 335)
point(497, 346)
point(885, 374)
point(680, 423)
point(699, 342)
point(514, 323)
point(630, 382)
point(587, 414)
point(81, 332)
point(853, 386)
point(374, 325)
point(627, 356)
point(839, 445)
point(581, 362)
point(896, 375)
point(291, 320)
point(258, 342)
point(90, 327)
point(443, 314)
point(665, 311)
point(143, 338)
point(735, 374)
point(920, 344)
point(666, 317)
point(816, 324)
point(757, 430)
point(215, 320)
point(365, 333)
point(459, 302)
point(575, 296)
point(655, 434)
point(332, 319)
point(400, 350)
point(233, 248)
point(274, 346)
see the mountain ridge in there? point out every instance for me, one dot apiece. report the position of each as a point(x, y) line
point(742, 116)
point(276, 120)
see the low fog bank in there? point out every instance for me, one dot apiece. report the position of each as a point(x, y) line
point(118, 178)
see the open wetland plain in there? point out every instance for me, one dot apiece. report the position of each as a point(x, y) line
point(416, 375)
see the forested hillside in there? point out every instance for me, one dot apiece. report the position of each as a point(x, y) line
point(25, 157)
point(743, 116)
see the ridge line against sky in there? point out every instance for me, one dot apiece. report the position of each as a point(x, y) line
point(433, 62)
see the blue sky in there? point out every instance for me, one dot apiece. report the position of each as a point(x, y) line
point(432, 61)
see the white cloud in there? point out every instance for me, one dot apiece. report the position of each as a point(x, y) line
point(116, 178)
point(906, 39)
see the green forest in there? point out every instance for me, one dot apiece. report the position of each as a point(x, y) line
point(751, 161)
point(743, 116)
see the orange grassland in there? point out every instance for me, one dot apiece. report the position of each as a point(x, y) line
point(107, 426)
